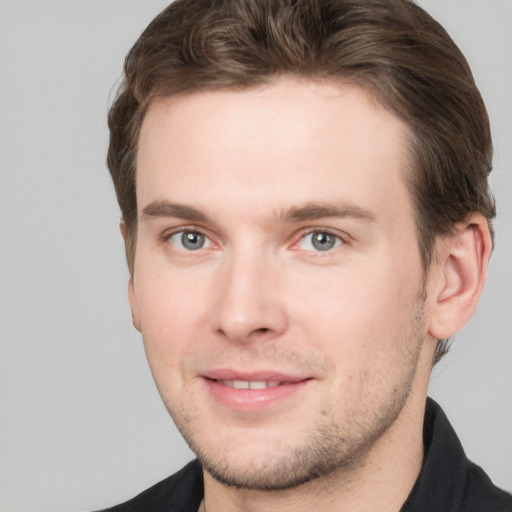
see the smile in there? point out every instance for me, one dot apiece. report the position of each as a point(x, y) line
point(256, 392)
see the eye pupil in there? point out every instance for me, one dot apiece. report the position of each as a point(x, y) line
point(192, 240)
point(323, 241)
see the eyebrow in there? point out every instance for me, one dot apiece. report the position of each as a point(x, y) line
point(300, 213)
point(165, 209)
point(319, 210)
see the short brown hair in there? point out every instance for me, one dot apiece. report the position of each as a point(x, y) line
point(392, 48)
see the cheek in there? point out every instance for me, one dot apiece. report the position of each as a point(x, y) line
point(168, 299)
point(170, 311)
point(360, 308)
point(362, 324)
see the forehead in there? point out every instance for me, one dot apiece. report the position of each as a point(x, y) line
point(288, 142)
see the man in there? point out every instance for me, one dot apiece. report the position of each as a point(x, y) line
point(307, 219)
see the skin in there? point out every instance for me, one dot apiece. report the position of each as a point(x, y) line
point(255, 173)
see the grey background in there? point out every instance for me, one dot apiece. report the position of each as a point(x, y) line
point(82, 425)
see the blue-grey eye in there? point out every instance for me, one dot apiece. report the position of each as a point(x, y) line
point(189, 240)
point(319, 241)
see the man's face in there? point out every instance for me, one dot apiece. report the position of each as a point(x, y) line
point(276, 251)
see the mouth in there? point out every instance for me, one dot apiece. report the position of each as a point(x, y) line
point(253, 392)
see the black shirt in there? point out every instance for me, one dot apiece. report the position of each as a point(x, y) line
point(448, 481)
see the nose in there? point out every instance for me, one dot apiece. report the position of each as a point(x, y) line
point(251, 301)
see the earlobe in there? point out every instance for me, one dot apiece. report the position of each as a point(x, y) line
point(133, 305)
point(461, 261)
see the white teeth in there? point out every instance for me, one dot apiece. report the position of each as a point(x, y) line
point(254, 384)
point(258, 384)
point(241, 384)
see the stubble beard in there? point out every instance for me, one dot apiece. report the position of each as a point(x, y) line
point(330, 448)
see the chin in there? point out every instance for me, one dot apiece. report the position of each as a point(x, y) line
point(267, 465)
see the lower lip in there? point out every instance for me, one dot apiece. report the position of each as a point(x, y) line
point(252, 399)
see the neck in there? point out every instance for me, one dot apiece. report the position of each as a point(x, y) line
point(382, 481)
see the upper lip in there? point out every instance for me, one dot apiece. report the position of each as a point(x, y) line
point(253, 376)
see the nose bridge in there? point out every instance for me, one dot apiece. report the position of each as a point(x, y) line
point(249, 299)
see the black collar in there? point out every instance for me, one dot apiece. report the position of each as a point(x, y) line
point(449, 481)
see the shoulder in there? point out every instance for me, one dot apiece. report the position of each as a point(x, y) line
point(181, 492)
point(481, 495)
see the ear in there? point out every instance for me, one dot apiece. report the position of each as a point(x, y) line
point(132, 298)
point(122, 228)
point(459, 275)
